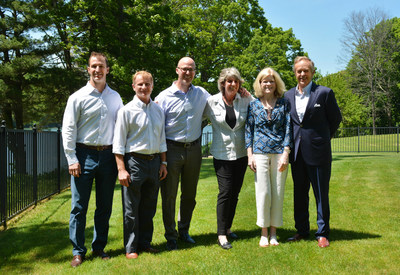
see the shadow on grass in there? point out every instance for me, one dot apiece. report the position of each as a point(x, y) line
point(210, 239)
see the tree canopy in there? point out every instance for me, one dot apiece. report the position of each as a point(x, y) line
point(45, 45)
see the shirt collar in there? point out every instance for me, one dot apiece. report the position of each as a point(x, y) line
point(175, 88)
point(90, 89)
point(140, 103)
point(306, 90)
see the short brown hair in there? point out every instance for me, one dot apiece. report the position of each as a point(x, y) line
point(95, 54)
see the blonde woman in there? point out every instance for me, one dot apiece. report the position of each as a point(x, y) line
point(268, 143)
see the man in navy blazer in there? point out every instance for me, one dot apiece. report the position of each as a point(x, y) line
point(315, 117)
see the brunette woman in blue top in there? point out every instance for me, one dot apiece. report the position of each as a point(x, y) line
point(268, 143)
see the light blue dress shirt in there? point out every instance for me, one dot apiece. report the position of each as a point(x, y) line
point(183, 112)
point(302, 100)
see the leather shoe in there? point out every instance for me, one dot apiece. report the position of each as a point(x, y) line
point(133, 255)
point(233, 236)
point(296, 238)
point(172, 245)
point(150, 250)
point(76, 261)
point(101, 254)
point(323, 242)
point(186, 238)
point(226, 245)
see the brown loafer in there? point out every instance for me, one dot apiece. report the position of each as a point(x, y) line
point(76, 261)
point(323, 242)
point(133, 255)
point(296, 238)
point(101, 254)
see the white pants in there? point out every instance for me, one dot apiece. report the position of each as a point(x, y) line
point(270, 189)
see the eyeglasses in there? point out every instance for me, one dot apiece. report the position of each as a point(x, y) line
point(187, 70)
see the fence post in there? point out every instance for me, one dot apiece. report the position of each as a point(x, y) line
point(398, 138)
point(358, 135)
point(3, 174)
point(59, 158)
point(35, 163)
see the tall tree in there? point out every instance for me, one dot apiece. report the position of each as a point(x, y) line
point(371, 45)
point(354, 112)
point(274, 48)
point(217, 32)
point(20, 58)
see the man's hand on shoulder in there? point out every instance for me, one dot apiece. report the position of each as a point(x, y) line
point(243, 92)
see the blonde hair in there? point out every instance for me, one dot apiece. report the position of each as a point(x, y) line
point(144, 74)
point(280, 85)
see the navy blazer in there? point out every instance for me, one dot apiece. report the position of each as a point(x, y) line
point(321, 120)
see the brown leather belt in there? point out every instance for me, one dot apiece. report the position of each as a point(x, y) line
point(94, 147)
point(143, 156)
point(183, 144)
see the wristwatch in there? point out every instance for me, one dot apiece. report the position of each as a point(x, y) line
point(165, 163)
point(287, 150)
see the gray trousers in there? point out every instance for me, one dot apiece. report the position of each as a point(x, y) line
point(183, 164)
point(139, 202)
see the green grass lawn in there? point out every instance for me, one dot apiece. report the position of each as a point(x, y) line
point(365, 221)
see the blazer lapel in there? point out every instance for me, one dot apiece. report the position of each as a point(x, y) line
point(311, 100)
point(293, 110)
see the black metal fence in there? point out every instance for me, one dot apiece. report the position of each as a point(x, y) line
point(349, 140)
point(366, 139)
point(32, 168)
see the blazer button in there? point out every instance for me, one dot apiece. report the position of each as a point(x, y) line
point(301, 125)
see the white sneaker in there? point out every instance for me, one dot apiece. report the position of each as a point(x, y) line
point(273, 241)
point(264, 241)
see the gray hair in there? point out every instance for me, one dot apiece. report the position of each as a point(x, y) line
point(228, 73)
point(300, 58)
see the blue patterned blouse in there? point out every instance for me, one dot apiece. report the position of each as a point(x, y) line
point(268, 136)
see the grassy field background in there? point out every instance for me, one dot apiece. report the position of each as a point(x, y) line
point(365, 221)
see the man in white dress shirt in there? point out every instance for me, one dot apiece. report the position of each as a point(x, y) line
point(87, 131)
point(140, 151)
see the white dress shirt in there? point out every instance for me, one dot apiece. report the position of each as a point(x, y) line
point(140, 128)
point(227, 143)
point(302, 100)
point(89, 118)
point(183, 112)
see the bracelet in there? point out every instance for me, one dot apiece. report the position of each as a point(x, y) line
point(165, 163)
point(287, 150)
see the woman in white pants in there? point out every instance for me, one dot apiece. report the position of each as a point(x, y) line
point(268, 143)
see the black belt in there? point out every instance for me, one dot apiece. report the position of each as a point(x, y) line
point(183, 144)
point(94, 147)
point(143, 156)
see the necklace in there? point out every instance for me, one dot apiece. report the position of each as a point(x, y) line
point(269, 105)
point(227, 102)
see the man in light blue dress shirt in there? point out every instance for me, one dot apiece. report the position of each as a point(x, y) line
point(87, 131)
point(183, 105)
